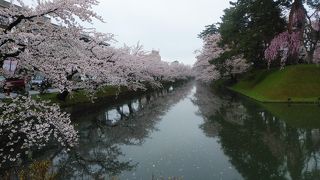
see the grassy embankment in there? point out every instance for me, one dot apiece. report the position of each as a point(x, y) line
point(80, 97)
point(109, 92)
point(298, 83)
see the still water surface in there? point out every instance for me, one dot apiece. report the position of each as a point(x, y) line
point(190, 132)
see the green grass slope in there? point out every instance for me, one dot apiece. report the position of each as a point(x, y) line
point(80, 97)
point(300, 83)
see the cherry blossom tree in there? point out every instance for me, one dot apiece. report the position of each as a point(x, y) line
point(205, 68)
point(58, 50)
point(178, 71)
point(204, 71)
point(236, 65)
point(302, 34)
point(55, 50)
point(285, 44)
point(136, 68)
point(27, 124)
point(63, 49)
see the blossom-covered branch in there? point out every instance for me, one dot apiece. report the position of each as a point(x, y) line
point(27, 124)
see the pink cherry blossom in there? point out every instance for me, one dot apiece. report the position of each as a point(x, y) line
point(285, 44)
point(206, 72)
point(27, 124)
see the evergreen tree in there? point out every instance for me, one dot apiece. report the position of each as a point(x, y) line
point(209, 30)
point(248, 26)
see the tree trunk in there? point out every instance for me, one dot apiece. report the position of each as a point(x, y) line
point(310, 57)
point(131, 111)
point(296, 5)
point(63, 96)
point(234, 78)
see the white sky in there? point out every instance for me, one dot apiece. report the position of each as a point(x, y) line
point(170, 26)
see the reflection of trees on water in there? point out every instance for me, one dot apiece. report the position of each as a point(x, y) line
point(101, 135)
point(259, 145)
point(212, 104)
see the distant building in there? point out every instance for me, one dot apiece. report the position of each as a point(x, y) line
point(175, 62)
point(155, 54)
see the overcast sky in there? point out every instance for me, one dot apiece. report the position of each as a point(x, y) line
point(170, 26)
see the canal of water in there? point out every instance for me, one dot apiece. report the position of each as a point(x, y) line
point(191, 132)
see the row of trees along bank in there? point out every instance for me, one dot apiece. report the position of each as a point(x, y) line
point(62, 50)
